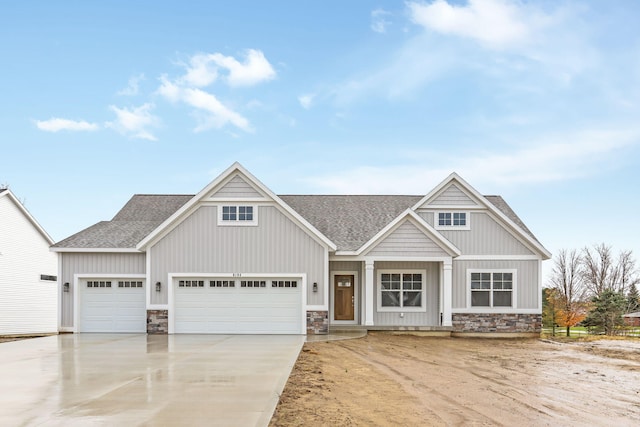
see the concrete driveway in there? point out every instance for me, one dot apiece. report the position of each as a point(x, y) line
point(126, 380)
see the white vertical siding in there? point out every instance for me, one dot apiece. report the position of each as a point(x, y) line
point(236, 188)
point(485, 237)
point(275, 245)
point(453, 196)
point(94, 263)
point(28, 305)
point(432, 315)
point(527, 280)
point(407, 240)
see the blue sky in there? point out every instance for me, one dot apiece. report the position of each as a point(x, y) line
point(536, 101)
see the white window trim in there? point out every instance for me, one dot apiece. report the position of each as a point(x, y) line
point(514, 290)
point(451, 227)
point(237, 222)
point(423, 308)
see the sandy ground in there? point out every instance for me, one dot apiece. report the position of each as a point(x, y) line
point(405, 380)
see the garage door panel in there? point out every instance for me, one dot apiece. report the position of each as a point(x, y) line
point(112, 309)
point(238, 309)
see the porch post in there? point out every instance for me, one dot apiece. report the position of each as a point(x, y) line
point(446, 292)
point(368, 284)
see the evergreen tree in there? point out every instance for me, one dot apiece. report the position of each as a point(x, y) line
point(633, 299)
point(607, 311)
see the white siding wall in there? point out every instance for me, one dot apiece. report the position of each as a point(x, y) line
point(432, 315)
point(452, 196)
point(27, 304)
point(94, 263)
point(275, 245)
point(528, 295)
point(236, 188)
point(485, 237)
point(407, 240)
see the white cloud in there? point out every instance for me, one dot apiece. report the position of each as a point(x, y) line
point(494, 23)
point(255, 69)
point(219, 115)
point(132, 88)
point(56, 124)
point(134, 122)
point(306, 100)
point(216, 114)
point(378, 22)
point(201, 72)
point(546, 159)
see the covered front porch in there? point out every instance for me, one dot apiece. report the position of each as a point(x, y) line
point(385, 293)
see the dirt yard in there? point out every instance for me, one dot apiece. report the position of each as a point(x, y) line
point(405, 380)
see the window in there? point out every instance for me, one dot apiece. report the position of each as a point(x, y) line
point(222, 284)
point(492, 288)
point(401, 290)
point(449, 220)
point(284, 284)
point(237, 215)
point(191, 284)
point(253, 284)
point(130, 284)
point(98, 284)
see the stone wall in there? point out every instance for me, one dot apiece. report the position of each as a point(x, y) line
point(317, 322)
point(157, 321)
point(498, 322)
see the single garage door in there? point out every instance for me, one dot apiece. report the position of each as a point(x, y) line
point(112, 305)
point(242, 306)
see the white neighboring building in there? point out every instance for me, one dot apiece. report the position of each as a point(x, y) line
point(28, 272)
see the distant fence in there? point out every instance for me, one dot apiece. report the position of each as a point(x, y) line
point(581, 331)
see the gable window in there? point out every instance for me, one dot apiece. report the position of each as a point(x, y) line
point(237, 215)
point(452, 220)
point(401, 290)
point(492, 288)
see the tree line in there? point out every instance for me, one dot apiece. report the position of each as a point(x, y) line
point(592, 287)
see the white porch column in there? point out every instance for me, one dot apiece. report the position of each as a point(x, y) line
point(447, 269)
point(369, 290)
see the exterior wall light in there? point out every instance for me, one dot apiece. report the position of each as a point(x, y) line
point(65, 287)
point(158, 286)
point(315, 287)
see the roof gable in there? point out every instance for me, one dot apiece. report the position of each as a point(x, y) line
point(452, 195)
point(235, 170)
point(427, 236)
point(8, 195)
point(236, 186)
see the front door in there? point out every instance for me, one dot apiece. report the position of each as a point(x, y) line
point(343, 297)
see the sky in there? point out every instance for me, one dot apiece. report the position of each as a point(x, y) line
point(537, 101)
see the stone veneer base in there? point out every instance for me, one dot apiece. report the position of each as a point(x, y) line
point(499, 323)
point(317, 322)
point(158, 322)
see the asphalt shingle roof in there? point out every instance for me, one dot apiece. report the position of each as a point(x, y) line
point(348, 221)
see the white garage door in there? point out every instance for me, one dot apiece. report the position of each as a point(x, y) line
point(242, 306)
point(112, 305)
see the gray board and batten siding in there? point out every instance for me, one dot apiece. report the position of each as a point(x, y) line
point(485, 236)
point(407, 240)
point(429, 317)
point(93, 263)
point(276, 245)
point(527, 289)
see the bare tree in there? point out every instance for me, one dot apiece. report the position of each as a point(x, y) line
point(601, 271)
point(569, 291)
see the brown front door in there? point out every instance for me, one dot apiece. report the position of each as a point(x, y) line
point(343, 297)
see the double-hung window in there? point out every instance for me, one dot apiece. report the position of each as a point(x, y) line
point(401, 290)
point(237, 215)
point(492, 288)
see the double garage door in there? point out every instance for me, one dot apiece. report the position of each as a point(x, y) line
point(112, 305)
point(238, 305)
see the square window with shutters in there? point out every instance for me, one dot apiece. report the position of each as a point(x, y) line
point(491, 289)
